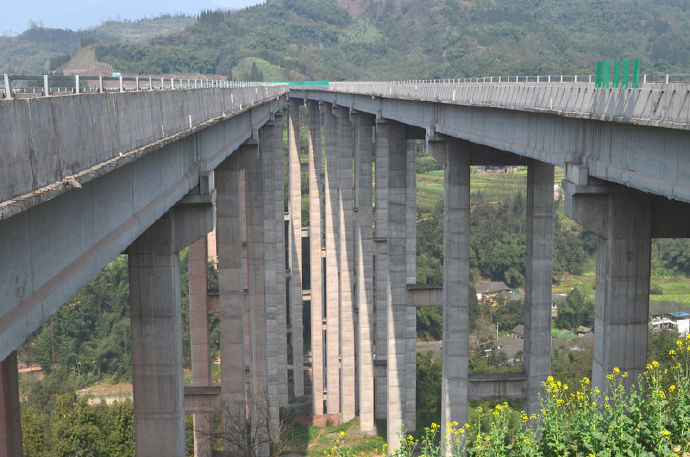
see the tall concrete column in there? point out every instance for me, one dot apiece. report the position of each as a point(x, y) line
point(364, 257)
point(279, 190)
point(231, 291)
point(315, 246)
point(10, 416)
point(456, 280)
point(621, 309)
point(274, 377)
point(295, 192)
point(347, 324)
point(331, 229)
point(381, 271)
point(197, 259)
point(155, 310)
point(259, 407)
point(411, 278)
point(538, 278)
point(397, 310)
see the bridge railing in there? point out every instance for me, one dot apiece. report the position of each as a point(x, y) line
point(25, 86)
point(650, 78)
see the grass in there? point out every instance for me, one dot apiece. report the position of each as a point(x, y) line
point(313, 441)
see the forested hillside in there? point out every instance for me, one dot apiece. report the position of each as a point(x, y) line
point(397, 39)
point(32, 51)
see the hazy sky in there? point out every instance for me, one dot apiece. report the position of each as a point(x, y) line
point(72, 14)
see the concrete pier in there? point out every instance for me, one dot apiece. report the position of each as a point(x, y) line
point(397, 309)
point(331, 228)
point(364, 258)
point(274, 378)
point(231, 290)
point(295, 206)
point(621, 309)
point(456, 280)
point(197, 259)
point(279, 190)
point(10, 416)
point(256, 251)
point(346, 262)
point(410, 420)
point(538, 279)
point(315, 259)
point(154, 284)
point(381, 270)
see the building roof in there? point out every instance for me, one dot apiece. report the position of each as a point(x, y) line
point(491, 287)
point(583, 329)
point(519, 329)
point(679, 315)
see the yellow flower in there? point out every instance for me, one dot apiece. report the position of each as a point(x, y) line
point(624, 375)
point(467, 425)
point(594, 403)
point(526, 441)
point(672, 388)
point(585, 381)
point(655, 364)
point(672, 352)
point(662, 395)
point(342, 434)
point(665, 432)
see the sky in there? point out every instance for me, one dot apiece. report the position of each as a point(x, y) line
point(74, 14)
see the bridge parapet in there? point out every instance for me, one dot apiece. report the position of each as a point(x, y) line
point(654, 104)
point(57, 143)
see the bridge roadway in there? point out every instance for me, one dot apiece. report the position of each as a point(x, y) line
point(84, 178)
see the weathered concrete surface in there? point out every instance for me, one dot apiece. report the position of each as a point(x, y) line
point(154, 284)
point(197, 259)
point(410, 420)
point(97, 222)
point(424, 295)
point(364, 257)
point(331, 229)
point(279, 189)
point(397, 310)
point(10, 416)
point(346, 262)
point(274, 376)
point(202, 400)
point(315, 259)
point(231, 285)
point(456, 280)
point(52, 138)
point(538, 279)
point(382, 158)
point(636, 138)
point(295, 205)
point(497, 386)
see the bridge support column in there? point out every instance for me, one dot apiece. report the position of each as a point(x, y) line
point(331, 229)
point(621, 311)
point(397, 309)
point(346, 261)
point(279, 206)
point(256, 252)
point(456, 280)
point(154, 284)
point(411, 276)
point(197, 259)
point(315, 245)
point(10, 416)
point(381, 270)
point(364, 257)
point(623, 220)
point(274, 377)
point(231, 272)
point(539, 274)
point(295, 201)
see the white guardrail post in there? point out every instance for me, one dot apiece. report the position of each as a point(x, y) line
point(46, 86)
point(76, 84)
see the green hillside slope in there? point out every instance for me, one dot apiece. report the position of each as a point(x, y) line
point(31, 51)
point(357, 39)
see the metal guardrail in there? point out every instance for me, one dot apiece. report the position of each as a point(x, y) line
point(655, 78)
point(47, 85)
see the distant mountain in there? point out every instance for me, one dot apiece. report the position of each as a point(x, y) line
point(378, 39)
point(32, 51)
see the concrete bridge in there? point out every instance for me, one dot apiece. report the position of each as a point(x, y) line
point(86, 177)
